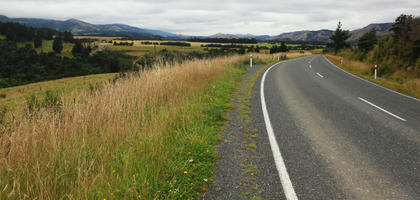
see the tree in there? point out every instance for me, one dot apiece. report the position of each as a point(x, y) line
point(37, 41)
point(367, 41)
point(77, 48)
point(68, 36)
point(339, 37)
point(401, 27)
point(57, 44)
point(283, 47)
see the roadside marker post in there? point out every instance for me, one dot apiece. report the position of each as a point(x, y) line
point(375, 72)
point(250, 61)
point(341, 61)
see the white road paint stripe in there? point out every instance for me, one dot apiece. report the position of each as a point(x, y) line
point(320, 75)
point(387, 112)
point(278, 159)
point(310, 66)
point(410, 97)
point(312, 59)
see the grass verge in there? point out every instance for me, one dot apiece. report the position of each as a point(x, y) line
point(149, 136)
point(400, 80)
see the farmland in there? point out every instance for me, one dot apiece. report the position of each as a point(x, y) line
point(14, 97)
point(139, 49)
point(47, 47)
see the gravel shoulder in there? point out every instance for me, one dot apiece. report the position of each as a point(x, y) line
point(245, 168)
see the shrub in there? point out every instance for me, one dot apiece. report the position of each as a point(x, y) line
point(51, 100)
point(32, 103)
point(385, 70)
point(2, 95)
point(3, 110)
point(418, 63)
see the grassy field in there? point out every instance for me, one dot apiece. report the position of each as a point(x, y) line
point(139, 49)
point(15, 96)
point(2, 37)
point(47, 47)
point(400, 80)
point(149, 136)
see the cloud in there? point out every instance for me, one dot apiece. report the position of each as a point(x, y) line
point(208, 17)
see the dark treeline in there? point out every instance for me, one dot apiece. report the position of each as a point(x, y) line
point(181, 44)
point(24, 65)
point(223, 45)
point(281, 48)
point(19, 33)
point(225, 40)
point(123, 43)
point(150, 43)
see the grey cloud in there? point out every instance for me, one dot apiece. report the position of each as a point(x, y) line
point(209, 17)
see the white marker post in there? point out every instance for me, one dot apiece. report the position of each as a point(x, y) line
point(374, 73)
point(341, 61)
point(250, 61)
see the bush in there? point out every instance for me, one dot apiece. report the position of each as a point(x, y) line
point(2, 95)
point(418, 63)
point(51, 100)
point(385, 70)
point(32, 104)
point(3, 110)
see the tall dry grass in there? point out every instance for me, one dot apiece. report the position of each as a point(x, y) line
point(400, 80)
point(113, 142)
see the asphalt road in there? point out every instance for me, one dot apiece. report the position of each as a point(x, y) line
point(338, 136)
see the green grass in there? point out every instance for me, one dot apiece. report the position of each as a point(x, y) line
point(2, 37)
point(47, 47)
point(15, 96)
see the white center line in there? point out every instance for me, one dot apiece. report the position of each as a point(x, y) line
point(387, 112)
point(278, 159)
point(320, 75)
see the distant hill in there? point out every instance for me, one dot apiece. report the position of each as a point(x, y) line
point(239, 36)
point(323, 35)
point(78, 27)
point(83, 28)
point(381, 30)
point(304, 36)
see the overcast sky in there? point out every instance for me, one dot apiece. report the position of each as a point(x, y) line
point(194, 17)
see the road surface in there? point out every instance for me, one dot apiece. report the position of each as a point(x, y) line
point(338, 136)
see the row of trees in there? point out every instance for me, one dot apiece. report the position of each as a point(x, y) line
point(281, 48)
point(24, 65)
point(225, 40)
point(401, 49)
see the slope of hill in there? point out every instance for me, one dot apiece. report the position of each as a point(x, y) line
point(305, 36)
point(83, 28)
point(381, 30)
point(239, 36)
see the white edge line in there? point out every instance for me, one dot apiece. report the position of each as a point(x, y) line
point(320, 75)
point(389, 113)
point(278, 159)
point(410, 97)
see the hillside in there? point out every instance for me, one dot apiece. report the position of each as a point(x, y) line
point(381, 30)
point(239, 36)
point(305, 36)
point(79, 27)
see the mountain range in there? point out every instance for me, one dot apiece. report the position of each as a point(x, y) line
point(78, 27)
